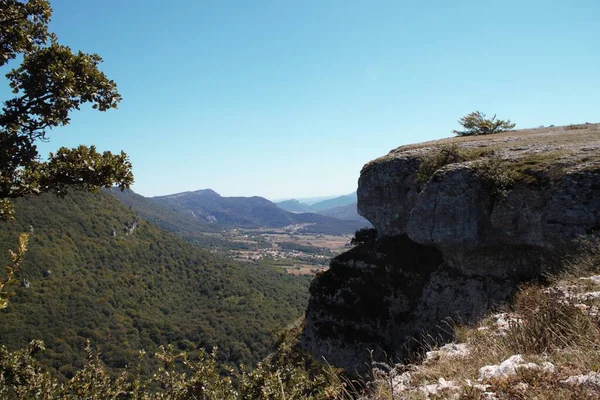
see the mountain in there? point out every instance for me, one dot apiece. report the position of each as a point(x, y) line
point(183, 223)
point(249, 212)
point(239, 212)
point(293, 206)
point(95, 270)
point(341, 207)
point(347, 212)
point(335, 202)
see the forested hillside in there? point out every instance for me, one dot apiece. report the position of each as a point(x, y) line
point(182, 223)
point(96, 271)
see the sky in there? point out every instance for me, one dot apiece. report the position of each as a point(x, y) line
point(287, 99)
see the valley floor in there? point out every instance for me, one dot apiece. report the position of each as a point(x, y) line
point(297, 253)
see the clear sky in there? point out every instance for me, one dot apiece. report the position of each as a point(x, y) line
point(291, 98)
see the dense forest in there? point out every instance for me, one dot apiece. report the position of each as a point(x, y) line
point(96, 271)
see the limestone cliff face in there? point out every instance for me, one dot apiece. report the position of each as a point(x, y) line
point(448, 246)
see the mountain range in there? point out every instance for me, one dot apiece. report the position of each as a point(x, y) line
point(207, 206)
point(341, 207)
point(294, 205)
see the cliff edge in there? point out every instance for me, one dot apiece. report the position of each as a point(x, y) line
point(460, 223)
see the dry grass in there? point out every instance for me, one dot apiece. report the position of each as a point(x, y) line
point(583, 133)
point(551, 328)
point(531, 150)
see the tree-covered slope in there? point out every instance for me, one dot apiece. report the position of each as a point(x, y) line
point(89, 278)
point(180, 222)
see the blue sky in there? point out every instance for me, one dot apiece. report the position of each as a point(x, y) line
point(291, 98)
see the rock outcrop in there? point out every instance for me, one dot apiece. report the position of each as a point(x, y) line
point(452, 246)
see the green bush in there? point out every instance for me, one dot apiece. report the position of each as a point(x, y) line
point(287, 374)
point(496, 175)
point(444, 154)
point(476, 123)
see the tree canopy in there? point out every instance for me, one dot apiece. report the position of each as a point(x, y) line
point(476, 123)
point(50, 82)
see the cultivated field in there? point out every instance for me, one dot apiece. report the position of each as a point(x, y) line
point(297, 253)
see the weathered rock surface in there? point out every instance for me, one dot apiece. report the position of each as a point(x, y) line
point(448, 248)
point(454, 212)
point(589, 379)
point(509, 367)
point(384, 296)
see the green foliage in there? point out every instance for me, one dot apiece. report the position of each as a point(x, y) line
point(286, 374)
point(23, 27)
point(50, 82)
point(11, 269)
point(290, 373)
point(304, 248)
point(364, 235)
point(496, 176)
point(134, 291)
point(442, 155)
point(183, 224)
point(476, 123)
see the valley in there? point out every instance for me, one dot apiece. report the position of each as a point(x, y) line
point(250, 229)
point(296, 253)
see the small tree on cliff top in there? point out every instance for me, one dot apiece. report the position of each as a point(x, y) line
point(476, 124)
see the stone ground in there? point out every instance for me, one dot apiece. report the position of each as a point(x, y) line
point(457, 370)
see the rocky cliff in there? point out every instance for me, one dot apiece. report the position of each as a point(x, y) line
point(460, 223)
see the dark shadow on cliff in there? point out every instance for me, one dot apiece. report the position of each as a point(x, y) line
point(386, 296)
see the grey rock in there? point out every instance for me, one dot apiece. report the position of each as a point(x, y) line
point(382, 296)
point(448, 351)
point(387, 192)
point(448, 249)
point(590, 379)
point(455, 213)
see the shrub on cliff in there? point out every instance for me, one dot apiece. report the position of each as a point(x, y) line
point(445, 154)
point(363, 235)
point(496, 176)
point(476, 123)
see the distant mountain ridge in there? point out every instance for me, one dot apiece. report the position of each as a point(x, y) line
point(293, 206)
point(341, 207)
point(348, 212)
point(168, 219)
point(249, 212)
point(335, 202)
